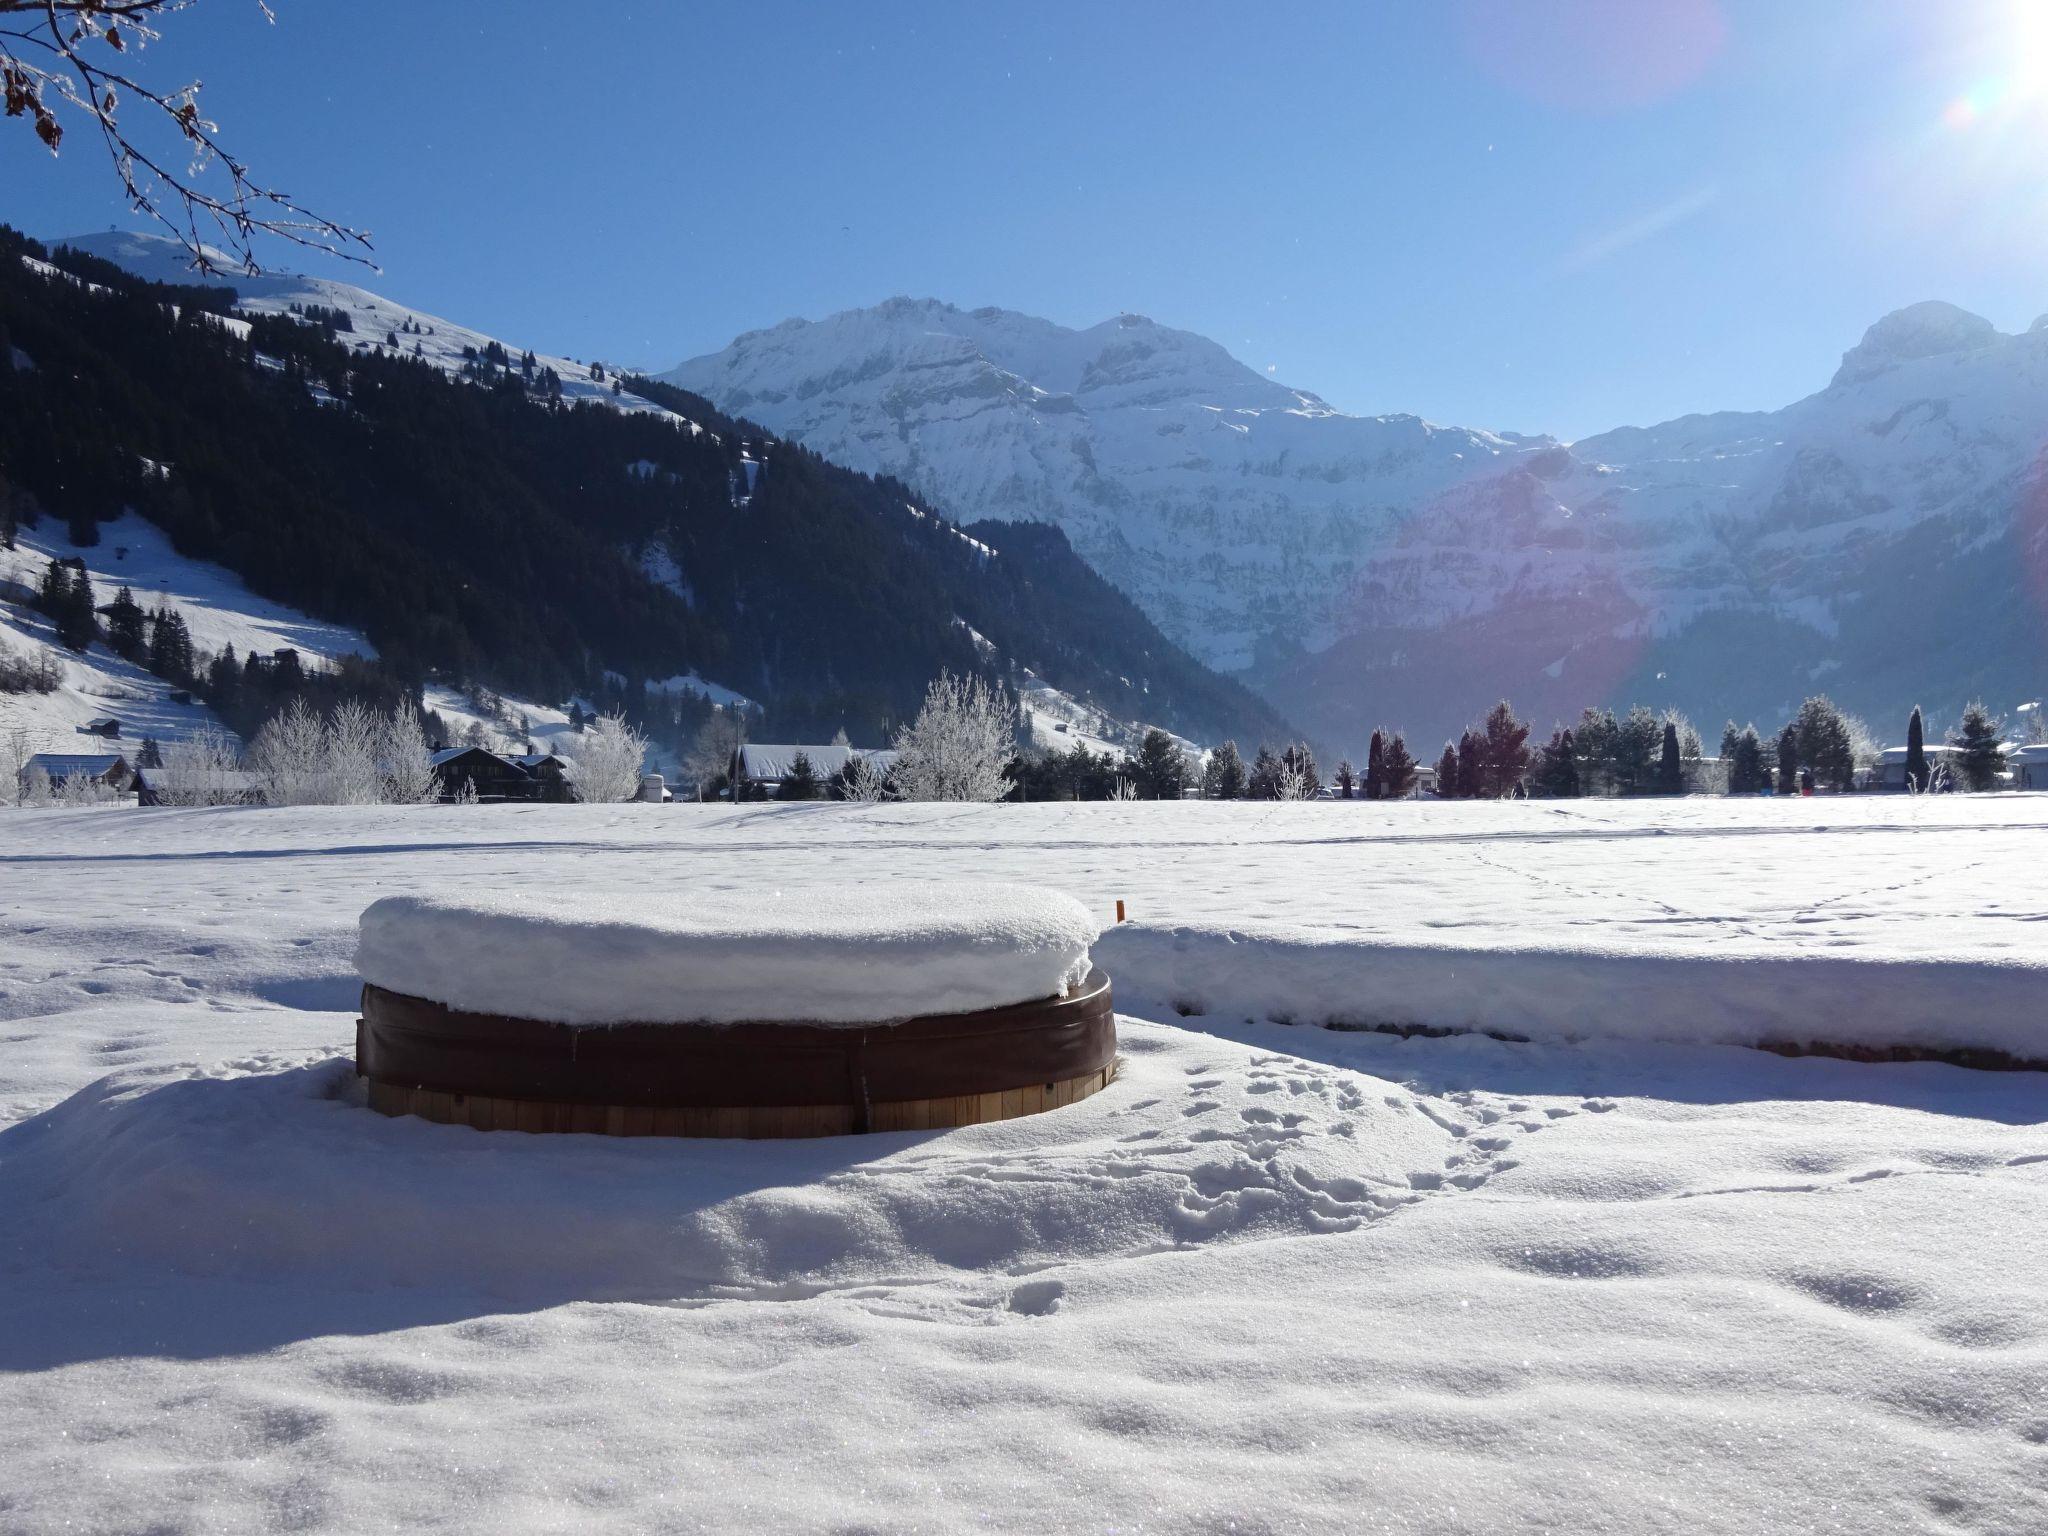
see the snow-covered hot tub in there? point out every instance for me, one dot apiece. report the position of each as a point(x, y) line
point(801, 1012)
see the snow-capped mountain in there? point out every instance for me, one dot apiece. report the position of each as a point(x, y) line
point(1883, 538)
point(1230, 507)
point(377, 321)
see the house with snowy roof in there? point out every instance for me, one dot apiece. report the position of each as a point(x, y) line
point(1891, 763)
point(758, 768)
point(2028, 765)
point(106, 727)
point(490, 775)
point(550, 773)
point(108, 768)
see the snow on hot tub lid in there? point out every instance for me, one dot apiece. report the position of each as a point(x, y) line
point(830, 954)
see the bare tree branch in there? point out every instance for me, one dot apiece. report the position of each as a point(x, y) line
point(55, 55)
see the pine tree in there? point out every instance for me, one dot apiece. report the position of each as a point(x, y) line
point(124, 625)
point(1670, 771)
point(802, 781)
point(1471, 770)
point(1263, 783)
point(1160, 769)
point(1825, 743)
point(1557, 767)
point(1504, 751)
point(151, 755)
point(1347, 778)
point(1637, 741)
point(1375, 767)
point(1447, 773)
point(1980, 752)
point(1397, 770)
point(1746, 772)
point(1730, 735)
point(1788, 760)
point(1223, 778)
point(1916, 753)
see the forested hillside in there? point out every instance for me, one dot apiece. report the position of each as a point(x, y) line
point(483, 530)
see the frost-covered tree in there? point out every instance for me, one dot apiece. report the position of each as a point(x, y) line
point(406, 759)
point(709, 762)
point(289, 757)
point(1447, 773)
point(1375, 754)
point(198, 769)
point(17, 746)
point(353, 738)
point(1980, 753)
point(861, 782)
point(956, 747)
point(1346, 778)
point(1301, 762)
point(608, 761)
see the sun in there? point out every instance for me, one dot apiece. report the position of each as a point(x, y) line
point(2014, 85)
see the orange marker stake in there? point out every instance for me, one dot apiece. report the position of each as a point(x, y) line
point(1119, 911)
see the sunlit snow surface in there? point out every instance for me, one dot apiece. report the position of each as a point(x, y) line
point(1275, 1278)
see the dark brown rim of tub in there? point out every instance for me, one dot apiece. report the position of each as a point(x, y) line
point(766, 1078)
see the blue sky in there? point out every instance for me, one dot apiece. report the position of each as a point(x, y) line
point(1529, 217)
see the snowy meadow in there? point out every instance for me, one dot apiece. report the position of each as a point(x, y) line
point(1621, 1273)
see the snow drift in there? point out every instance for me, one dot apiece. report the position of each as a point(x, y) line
point(1734, 994)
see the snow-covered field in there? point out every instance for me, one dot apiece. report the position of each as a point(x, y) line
point(1275, 1278)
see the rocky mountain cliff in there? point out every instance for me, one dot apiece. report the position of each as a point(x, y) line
point(1882, 539)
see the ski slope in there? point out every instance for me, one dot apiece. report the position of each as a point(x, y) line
point(1275, 1278)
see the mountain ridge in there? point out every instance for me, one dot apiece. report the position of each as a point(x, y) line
point(1723, 562)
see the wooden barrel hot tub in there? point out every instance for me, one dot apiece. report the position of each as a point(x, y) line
point(799, 1011)
point(758, 1079)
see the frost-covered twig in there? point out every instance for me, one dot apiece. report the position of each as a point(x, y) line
point(56, 55)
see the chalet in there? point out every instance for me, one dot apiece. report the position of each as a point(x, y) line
point(2028, 765)
point(491, 776)
point(106, 727)
point(551, 775)
point(108, 768)
point(760, 767)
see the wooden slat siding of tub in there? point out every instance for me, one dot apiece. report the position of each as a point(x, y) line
point(763, 1123)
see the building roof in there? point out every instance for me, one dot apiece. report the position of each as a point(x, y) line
point(769, 760)
point(450, 754)
point(1934, 749)
point(62, 765)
